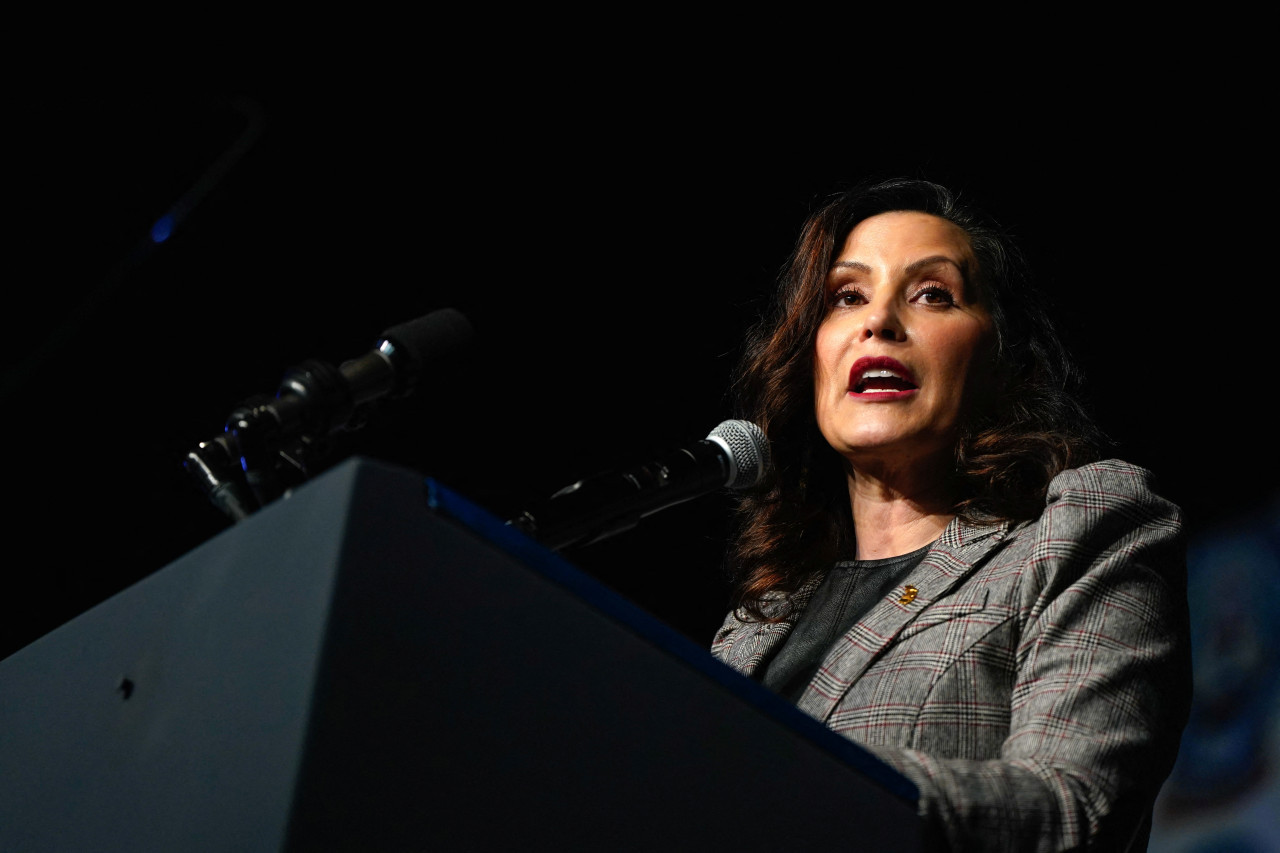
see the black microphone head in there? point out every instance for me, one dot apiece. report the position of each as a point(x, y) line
point(748, 450)
point(442, 334)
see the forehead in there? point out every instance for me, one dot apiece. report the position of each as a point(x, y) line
point(904, 235)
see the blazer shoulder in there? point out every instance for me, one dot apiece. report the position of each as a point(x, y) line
point(1111, 488)
point(1103, 518)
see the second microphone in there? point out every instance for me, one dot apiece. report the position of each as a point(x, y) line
point(735, 455)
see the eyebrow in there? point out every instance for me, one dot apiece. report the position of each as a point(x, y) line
point(911, 269)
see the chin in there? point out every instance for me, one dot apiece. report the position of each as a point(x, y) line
point(881, 446)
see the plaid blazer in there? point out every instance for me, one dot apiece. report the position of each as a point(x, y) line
point(1032, 680)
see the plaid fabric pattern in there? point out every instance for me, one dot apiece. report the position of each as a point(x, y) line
point(1036, 684)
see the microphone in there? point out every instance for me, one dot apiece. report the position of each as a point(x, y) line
point(735, 455)
point(238, 470)
point(316, 399)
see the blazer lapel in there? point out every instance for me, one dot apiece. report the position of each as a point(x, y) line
point(958, 551)
point(756, 642)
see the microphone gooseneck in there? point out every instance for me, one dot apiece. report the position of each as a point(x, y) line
point(735, 456)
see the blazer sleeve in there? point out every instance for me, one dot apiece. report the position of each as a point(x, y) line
point(1102, 687)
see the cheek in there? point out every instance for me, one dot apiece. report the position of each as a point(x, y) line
point(984, 380)
point(826, 360)
point(966, 359)
point(827, 349)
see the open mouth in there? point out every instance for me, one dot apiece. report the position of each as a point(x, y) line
point(872, 375)
point(881, 382)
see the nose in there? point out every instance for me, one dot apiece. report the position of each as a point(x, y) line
point(882, 322)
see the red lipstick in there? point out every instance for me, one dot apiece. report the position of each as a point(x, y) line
point(875, 378)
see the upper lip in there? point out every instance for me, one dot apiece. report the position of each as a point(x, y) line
point(868, 363)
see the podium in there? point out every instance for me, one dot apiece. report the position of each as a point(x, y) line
point(373, 663)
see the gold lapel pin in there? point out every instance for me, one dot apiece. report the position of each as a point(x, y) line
point(908, 595)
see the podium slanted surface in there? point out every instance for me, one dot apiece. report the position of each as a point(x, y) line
point(373, 663)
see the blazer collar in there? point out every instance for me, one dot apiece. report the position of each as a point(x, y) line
point(957, 552)
point(950, 558)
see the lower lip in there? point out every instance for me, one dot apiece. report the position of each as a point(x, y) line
point(883, 396)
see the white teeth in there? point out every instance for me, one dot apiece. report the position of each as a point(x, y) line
point(879, 374)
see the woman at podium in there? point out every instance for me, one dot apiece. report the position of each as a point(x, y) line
point(944, 564)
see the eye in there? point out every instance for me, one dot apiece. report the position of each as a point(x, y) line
point(934, 294)
point(846, 297)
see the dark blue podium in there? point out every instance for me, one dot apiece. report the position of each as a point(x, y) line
point(373, 663)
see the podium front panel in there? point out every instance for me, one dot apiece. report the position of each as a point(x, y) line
point(375, 664)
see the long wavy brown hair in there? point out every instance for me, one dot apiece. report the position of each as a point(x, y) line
point(799, 521)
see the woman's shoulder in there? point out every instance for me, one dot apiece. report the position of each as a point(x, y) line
point(1107, 478)
point(1109, 485)
point(1107, 498)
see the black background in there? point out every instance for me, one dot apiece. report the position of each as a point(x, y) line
point(610, 241)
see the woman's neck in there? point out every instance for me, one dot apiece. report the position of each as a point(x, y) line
point(897, 512)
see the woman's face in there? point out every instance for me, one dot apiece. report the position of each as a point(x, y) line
point(905, 340)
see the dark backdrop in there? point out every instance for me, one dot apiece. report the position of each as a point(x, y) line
point(610, 248)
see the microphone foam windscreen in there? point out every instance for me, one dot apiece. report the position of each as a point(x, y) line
point(441, 334)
